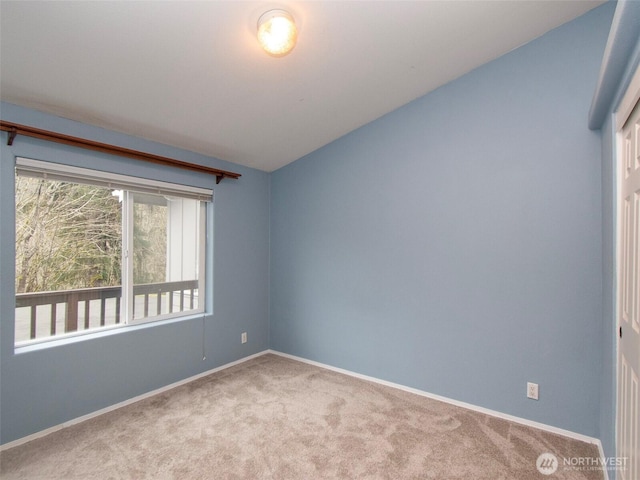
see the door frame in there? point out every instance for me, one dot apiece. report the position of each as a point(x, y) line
point(621, 115)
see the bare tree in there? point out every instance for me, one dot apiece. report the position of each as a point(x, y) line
point(67, 236)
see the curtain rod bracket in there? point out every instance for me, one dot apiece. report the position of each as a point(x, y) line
point(12, 135)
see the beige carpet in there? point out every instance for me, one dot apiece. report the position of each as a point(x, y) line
point(274, 418)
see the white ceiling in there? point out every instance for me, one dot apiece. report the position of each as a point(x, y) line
point(191, 74)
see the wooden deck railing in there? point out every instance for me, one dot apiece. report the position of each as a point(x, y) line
point(72, 299)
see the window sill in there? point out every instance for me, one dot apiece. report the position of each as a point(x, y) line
point(72, 338)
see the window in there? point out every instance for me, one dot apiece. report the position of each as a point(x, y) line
point(98, 250)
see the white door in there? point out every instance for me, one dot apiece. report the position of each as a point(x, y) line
point(628, 307)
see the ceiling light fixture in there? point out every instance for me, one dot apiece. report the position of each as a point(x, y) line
point(277, 32)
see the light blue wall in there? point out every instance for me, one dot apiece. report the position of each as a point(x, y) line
point(619, 65)
point(44, 388)
point(608, 337)
point(455, 245)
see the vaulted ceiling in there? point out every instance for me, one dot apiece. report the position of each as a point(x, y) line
point(192, 75)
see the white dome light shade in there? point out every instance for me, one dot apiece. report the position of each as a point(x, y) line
point(277, 32)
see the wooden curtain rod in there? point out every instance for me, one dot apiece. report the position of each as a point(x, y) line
point(16, 129)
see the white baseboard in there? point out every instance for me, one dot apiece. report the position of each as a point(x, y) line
point(469, 406)
point(601, 452)
point(110, 408)
point(494, 413)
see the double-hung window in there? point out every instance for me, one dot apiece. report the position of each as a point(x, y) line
point(99, 250)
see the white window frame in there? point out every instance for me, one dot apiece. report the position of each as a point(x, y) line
point(67, 173)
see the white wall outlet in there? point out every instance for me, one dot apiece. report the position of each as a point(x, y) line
point(532, 390)
point(243, 339)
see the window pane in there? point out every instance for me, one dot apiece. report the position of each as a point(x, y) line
point(68, 257)
point(91, 256)
point(165, 255)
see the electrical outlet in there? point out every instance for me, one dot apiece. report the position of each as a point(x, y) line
point(532, 390)
point(243, 338)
